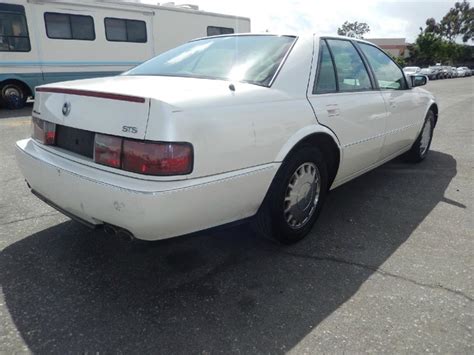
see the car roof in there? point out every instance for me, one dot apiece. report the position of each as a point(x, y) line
point(298, 35)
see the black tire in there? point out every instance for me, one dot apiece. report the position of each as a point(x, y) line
point(271, 219)
point(421, 147)
point(13, 96)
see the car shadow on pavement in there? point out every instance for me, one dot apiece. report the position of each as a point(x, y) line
point(72, 290)
point(25, 111)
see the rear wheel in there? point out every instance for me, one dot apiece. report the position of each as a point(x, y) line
point(13, 96)
point(295, 198)
point(420, 148)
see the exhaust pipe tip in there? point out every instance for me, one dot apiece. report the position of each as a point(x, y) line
point(125, 234)
point(120, 232)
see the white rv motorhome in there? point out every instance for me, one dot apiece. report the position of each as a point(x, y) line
point(44, 41)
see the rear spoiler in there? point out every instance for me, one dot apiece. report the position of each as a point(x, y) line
point(102, 95)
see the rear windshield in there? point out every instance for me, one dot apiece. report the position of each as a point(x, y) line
point(251, 59)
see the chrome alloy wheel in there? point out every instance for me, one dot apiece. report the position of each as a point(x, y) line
point(302, 195)
point(426, 136)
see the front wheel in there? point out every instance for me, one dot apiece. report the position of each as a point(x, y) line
point(13, 96)
point(420, 148)
point(295, 198)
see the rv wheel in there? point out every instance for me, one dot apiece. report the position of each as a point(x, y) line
point(13, 96)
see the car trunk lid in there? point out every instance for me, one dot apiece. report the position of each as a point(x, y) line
point(109, 112)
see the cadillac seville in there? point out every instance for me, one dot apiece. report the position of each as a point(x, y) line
point(221, 129)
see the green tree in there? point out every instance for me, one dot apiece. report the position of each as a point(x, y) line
point(353, 29)
point(459, 21)
point(399, 60)
point(426, 49)
point(432, 26)
point(437, 41)
point(430, 49)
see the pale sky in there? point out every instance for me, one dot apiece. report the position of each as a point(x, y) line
point(386, 18)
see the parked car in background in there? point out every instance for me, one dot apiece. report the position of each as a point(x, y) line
point(411, 70)
point(180, 143)
point(467, 71)
point(444, 72)
point(454, 72)
point(450, 72)
point(437, 70)
point(430, 73)
point(461, 72)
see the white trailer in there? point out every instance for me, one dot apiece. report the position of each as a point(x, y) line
point(44, 41)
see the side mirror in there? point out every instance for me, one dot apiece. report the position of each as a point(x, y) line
point(418, 80)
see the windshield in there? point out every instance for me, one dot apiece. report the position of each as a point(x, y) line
point(251, 59)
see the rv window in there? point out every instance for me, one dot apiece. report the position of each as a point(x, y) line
point(66, 26)
point(123, 30)
point(13, 32)
point(215, 31)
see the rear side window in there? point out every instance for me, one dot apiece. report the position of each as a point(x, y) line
point(124, 30)
point(387, 73)
point(326, 80)
point(352, 74)
point(67, 26)
point(13, 29)
point(215, 31)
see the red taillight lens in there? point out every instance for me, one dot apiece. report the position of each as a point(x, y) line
point(142, 157)
point(43, 131)
point(108, 150)
point(161, 158)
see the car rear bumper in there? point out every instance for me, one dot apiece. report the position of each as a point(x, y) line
point(150, 210)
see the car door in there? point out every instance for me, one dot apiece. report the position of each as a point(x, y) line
point(404, 106)
point(344, 99)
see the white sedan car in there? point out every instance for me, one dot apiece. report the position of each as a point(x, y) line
point(221, 129)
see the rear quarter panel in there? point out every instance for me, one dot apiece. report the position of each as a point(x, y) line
point(246, 133)
point(249, 127)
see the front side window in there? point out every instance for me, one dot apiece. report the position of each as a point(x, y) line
point(215, 31)
point(387, 73)
point(13, 29)
point(123, 30)
point(352, 74)
point(67, 26)
point(251, 59)
point(326, 80)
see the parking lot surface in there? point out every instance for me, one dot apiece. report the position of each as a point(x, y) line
point(387, 268)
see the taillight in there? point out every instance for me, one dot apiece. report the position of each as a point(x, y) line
point(43, 131)
point(152, 158)
point(108, 150)
point(142, 157)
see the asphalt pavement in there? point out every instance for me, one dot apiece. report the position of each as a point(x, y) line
point(387, 268)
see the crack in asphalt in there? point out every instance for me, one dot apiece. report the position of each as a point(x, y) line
point(28, 218)
point(379, 271)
